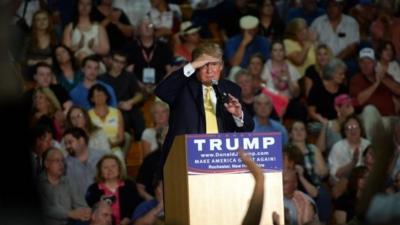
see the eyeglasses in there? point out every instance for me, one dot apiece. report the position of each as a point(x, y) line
point(119, 61)
point(352, 127)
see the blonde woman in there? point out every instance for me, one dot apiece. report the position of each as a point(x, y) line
point(299, 44)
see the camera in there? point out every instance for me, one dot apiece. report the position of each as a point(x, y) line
point(109, 199)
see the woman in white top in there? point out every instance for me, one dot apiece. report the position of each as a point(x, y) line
point(347, 153)
point(83, 36)
point(279, 74)
point(160, 113)
point(386, 55)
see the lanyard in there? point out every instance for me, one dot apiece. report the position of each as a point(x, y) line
point(147, 57)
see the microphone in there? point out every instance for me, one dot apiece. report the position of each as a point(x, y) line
point(222, 96)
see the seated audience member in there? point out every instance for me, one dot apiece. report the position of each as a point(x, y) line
point(41, 140)
point(374, 90)
point(299, 45)
point(299, 207)
point(44, 78)
point(308, 11)
point(116, 23)
point(386, 26)
point(160, 113)
point(112, 186)
point(128, 93)
point(78, 117)
point(271, 25)
point(67, 73)
point(331, 131)
point(395, 186)
point(282, 78)
point(90, 69)
point(152, 58)
point(239, 48)
point(337, 30)
point(255, 68)
point(83, 35)
point(166, 18)
point(190, 39)
point(395, 165)
point(61, 203)
point(313, 73)
point(347, 153)
point(245, 82)
point(101, 214)
point(345, 205)
point(368, 161)
point(365, 12)
point(149, 167)
point(279, 74)
point(134, 9)
point(108, 118)
point(150, 211)
point(42, 39)
point(262, 122)
point(47, 110)
point(81, 161)
point(321, 98)
point(386, 59)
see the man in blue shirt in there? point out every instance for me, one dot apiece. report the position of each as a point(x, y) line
point(90, 70)
point(263, 122)
point(239, 48)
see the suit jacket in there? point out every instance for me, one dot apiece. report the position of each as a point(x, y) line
point(184, 96)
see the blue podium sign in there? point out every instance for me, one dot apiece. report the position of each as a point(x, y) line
point(217, 153)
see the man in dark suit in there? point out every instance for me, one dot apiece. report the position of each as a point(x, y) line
point(201, 102)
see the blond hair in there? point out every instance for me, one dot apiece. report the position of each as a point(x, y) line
point(208, 48)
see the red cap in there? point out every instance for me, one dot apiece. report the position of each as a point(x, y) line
point(344, 99)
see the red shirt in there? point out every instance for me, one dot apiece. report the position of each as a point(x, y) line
point(382, 98)
point(115, 206)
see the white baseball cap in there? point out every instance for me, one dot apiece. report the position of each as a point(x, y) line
point(367, 53)
point(248, 22)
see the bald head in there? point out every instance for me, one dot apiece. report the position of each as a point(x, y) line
point(102, 214)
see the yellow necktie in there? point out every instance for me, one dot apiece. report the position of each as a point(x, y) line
point(211, 119)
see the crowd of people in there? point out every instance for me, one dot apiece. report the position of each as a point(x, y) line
point(323, 73)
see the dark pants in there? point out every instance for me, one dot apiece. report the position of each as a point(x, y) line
point(134, 122)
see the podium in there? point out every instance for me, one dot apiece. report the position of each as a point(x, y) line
point(205, 182)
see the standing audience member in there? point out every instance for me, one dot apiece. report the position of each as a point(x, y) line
point(239, 48)
point(81, 161)
point(78, 117)
point(128, 93)
point(62, 204)
point(83, 35)
point(116, 23)
point(67, 73)
point(108, 118)
point(90, 69)
point(299, 45)
point(112, 186)
point(160, 113)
